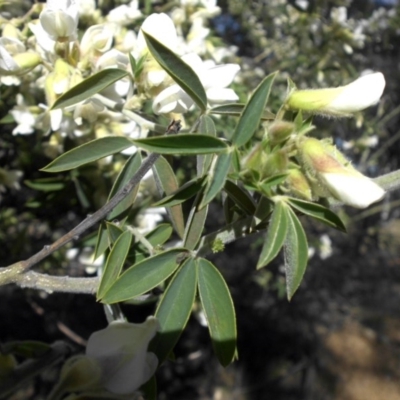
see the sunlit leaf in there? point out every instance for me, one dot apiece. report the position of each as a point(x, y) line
point(166, 180)
point(195, 226)
point(206, 126)
point(115, 262)
point(252, 113)
point(318, 212)
point(88, 152)
point(185, 192)
point(295, 253)
point(276, 235)
point(237, 109)
point(218, 309)
point(127, 172)
point(144, 276)
point(174, 309)
point(182, 144)
point(180, 72)
point(89, 87)
point(156, 238)
point(216, 177)
point(240, 196)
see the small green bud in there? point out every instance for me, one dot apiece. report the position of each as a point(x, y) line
point(279, 131)
point(217, 246)
point(298, 184)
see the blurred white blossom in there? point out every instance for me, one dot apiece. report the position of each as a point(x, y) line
point(121, 352)
point(60, 19)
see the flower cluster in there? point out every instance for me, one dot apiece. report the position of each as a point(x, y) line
point(58, 56)
point(314, 168)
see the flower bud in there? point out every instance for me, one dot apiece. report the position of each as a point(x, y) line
point(27, 61)
point(79, 373)
point(279, 131)
point(298, 184)
point(342, 101)
point(337, 176)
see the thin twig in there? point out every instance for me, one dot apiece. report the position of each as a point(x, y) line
point(16, 273)
point(49, 283)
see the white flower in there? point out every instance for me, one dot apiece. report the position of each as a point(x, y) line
point(86, 7)
point(125, 14)
point(162, 28)
point(115, 59)
point(98, 38)
point(342, 101)
point(88, 110)
point(360, 94)
point(336, 175)
point(23, 117)
point(60, 19)
point(121, 351)
point(8, 48)
point(215, 79)
point(353, 188)
point(150, 218)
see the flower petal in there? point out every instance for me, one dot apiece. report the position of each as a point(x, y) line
point(221, 95)
point(353, 189)
point(360, 94)
point(121, 351)
point(219, 76)
point(172, 99)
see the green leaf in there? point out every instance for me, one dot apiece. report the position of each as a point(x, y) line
point(115, 262)
point(26, 349)
point(7, 119)
point(166, 180)
point(276, 235)
point(318, 212)
point(182, 144)
point(217, 177)
point(89, 87)
point(185, 192)
point(46, 184)
point(295, 254)
point(174, 309)
point(132, 63)
point(144, 276)
point(270, 183)
point(114, 232)
point(195, 226)
point(102, 241)
point(241, 197)
point(206, 127)
point(237, 109)
point(252, 113)
point(88, 152)
point(179, 71)
point(157, 237)
point(219, 311)
point(130, 168)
